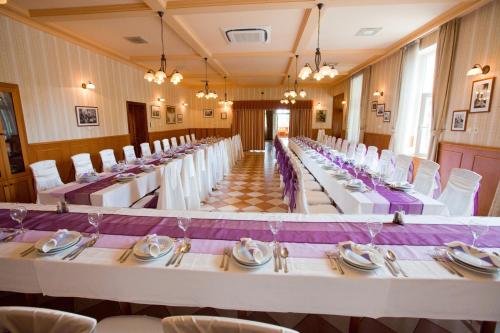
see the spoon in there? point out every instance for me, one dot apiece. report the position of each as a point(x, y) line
point(284, 254)
point(185, 249)
point(393, 258)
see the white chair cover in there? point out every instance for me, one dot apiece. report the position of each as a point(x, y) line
point(359, 155)
point(173, 140)
point(145, 149)
point(190, 183)
point(331, 142)
point(371, 158)
point(459, 192)
point(385, 164)
point(425, 179)
point(82, 164)
point(211, 165)
point(171, 195)
point(321, 134)
point(219, 163)
point(402, 168)
point(157, 146)
point(344, 147)
point(201, 174)
point(166, 144)
point(129, 153)
point(46, 175)
point(351, 150)
point(209, 324)
point(130, 324)
point(338, 144)
point(20, 319)
point(193, 138)
point(188, 138)
point(495, 205)
point(182, 140)
point(226, 151)
point(108, 159)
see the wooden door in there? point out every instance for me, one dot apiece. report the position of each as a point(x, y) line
point(137, 124)
point(269, 125)
point(16, 183)
point(337, 115)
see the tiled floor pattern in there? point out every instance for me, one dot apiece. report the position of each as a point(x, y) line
point(252, 186)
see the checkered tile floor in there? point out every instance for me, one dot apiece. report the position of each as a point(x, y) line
point(252, 186)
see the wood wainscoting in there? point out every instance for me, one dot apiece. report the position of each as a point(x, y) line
point(198, 132)
point(483, 160)
point(378, 140)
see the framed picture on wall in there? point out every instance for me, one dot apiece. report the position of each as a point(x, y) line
point(223, 115)
point(170, 114)
point(387, 116)
point(180, 118)
point(208, 113)
point(374, 105)
point(459, 120)
point(321, 116)
point(380, 109)
point(87, 116)
point(155, 111)
point(480, 99)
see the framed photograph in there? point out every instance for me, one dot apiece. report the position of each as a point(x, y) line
point(180, 118)
point(155, 111)
point(459, 120)
point(387, 116)
point(223, 115)
point(87, 116)
point(374, 105)
point(171, 114)
point(380, 110)
point(321, 116)
point(208, 113)
point(480, 99)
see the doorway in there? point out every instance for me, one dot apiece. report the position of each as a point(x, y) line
point(269, 125)
point(137, 118)
point(337, 115)
point(281, 122)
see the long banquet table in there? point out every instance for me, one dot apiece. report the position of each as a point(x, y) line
point(312, 286)
point(351, 202)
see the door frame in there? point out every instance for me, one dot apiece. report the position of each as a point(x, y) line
point(145, 119)
point(338, 97)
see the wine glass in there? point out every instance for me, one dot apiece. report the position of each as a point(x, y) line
point(183, 223)
point(275, 227)
point(18, 214)
point(94, 219)
point(477, 229)
point(374, 179)
point(374, 227)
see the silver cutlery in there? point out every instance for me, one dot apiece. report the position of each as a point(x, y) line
point(275, 255)
point(332, 262)
point(390, 268)
point(284, 255)
point(447, 265)
point(394, 259)
point(74, 251)
point(174, 256)
point(278, 254)
point(27, 251)
point(228, 254)
point(10, 237)
point(335, 257)
point(90, 243)
point(126, 254)
point(186, 249)
point(223, 258)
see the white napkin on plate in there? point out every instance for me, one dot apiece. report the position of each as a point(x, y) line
point(56, 238)
point(152, 245)
point(355, 183)
point(250, 250)
point(473, 255)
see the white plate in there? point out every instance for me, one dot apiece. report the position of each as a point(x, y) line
point(356, 267)
point(355, 259)
point(71, 239)
point(266, 250)
point(140, 248)
point(471, 261)
point(469, 267)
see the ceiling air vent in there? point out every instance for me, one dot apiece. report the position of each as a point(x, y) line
point(367, 32)
point(136, 39)
point(247, 35)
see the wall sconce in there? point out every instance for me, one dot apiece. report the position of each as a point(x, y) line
point(344, 102)
point(318, 105)
point(378, 93)
point(88, 85)
point(184, 104)
point(161, 99)
point(478, 69)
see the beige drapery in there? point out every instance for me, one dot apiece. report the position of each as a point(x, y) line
point(396, 94)
point(445, 59)
point(249, 123)
point(365, 101)
point(301, 120)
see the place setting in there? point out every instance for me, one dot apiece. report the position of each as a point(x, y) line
point(17, 214)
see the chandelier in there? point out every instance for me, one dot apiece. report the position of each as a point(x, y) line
point(289, 94)
point(159, 76)
point(319, 71)
point(206, 91)
point(226, 102)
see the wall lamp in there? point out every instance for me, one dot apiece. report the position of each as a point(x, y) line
point(88, 85)
point(161, 99)
point(478, 69)
point(378, 93)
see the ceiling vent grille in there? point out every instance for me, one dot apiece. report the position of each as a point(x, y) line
point(136, 39)
point(247, 35)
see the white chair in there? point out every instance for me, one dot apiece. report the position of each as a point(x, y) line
point(458, 195)
point(129, 324)
point(188, 139)
point(351, 150)
point(182, 140)
point(360, 154)
point(402, 168)
point(201, 174)
point(385, 163)
point(344, 147)
point(190, 183)
point(338, 144)
point(129, 153)
point(209, 324)
point(171, 194)
point(82, 164)
point(46, 175)
point(166, 144)
point(108, 159)
point(371, 158)
point(193, 138)
point(157, 146)
point(145, 150)
point(20, 319)
point(425, 179)
point(312, 202)
point(173, 140)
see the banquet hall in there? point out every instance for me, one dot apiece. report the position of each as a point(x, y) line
point(249, 166)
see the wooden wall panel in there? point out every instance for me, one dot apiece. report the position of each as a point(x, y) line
point(198, 132)
point(378, 140)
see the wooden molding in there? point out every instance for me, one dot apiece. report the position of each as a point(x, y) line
point(86, 10)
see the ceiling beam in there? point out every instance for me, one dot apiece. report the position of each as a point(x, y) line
point(88, 10)
point(148, 58)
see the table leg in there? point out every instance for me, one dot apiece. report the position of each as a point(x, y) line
point(488, 327)
point(354, 324)
point(125, 308)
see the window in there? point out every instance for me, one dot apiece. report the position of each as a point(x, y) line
point(353, 119)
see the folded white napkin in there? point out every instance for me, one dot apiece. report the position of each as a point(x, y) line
point(355, 183)
point(250, 250)
point(361, 254)
point(153, 246)
point(474, 255)
point(56, 238)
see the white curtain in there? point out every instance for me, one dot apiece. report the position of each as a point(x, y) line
point(353, 117)
point(408, 104)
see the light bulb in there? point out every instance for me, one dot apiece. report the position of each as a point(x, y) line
point(293, 94)
point(303, 93)
point(286, 101)
point(305, 72)
point(149, 75)
point(287, 93)
point(475, 70)
point(333, 72)
point(318, 76)
point(324, 70)
point(160, 75)
point(292, 101)
point(200, 94)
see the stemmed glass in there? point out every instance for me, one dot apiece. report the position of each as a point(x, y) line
point(18, 214)
point(183, 223)
point(477, 229)
point(275, 227)
point(374, 227)
point(94, 219)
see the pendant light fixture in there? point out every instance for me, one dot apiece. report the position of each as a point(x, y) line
point(160, 75)
point(302, 92)
point(226, 102)
point(206, 92)
point(288, 94)
point(319, 72)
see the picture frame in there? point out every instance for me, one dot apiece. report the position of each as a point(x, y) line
point(387, 116)
point(171, 115)
point(321, 116)
point(223, 115)
point(481, 93)
point(87, 116)
point(155, 111)
point(180, 118)
point(380, 110)
point(459, 120)
point(374, 105)
point(208, 113)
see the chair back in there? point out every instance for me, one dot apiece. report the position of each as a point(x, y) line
point(157, 146)
point(166, 144)
point(385, 163)
point(46, 175)
point(182, 140)
point(171, 194)
point(145, 149)
point(403, 170)
point(344, 147)
point(338, 144)
point(188, 138)
point(460, 191)
point(129, 153)
point(425, 180)
point(371, 158)
point(82, 164)
point(351, 150)
point(173, 140)
point(108, 159)
point(193, 138)
point(359, 155)
point(21, 319)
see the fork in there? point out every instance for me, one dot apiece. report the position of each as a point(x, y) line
point(90, 243)
point(27, 251)
point(126, 254)
point(174, 256)
point(228, 254)
point(332, 262)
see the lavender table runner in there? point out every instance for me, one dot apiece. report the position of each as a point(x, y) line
point(233, 230)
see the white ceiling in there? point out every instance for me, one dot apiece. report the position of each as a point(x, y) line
point(196, 31)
